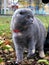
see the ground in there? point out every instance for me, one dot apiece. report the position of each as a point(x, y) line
point(7, 52)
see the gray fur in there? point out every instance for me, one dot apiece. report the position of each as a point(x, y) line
point(33, 36)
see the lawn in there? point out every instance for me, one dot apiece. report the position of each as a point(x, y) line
point(5, 30)
point(44, 19)
point(5, 23)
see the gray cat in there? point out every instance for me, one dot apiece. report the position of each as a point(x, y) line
point(27, 31)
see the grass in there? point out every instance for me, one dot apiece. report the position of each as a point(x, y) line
point(5, 23)
point(5, 28)
point(44, 19)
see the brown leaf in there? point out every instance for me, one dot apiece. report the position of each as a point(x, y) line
point(7, 41)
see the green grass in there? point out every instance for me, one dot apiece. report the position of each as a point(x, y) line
point(44, 19)
point(5, 23)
